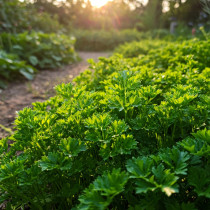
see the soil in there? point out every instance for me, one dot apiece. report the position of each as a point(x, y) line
point(22, 94)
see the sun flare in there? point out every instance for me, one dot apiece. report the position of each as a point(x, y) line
point(98, 3)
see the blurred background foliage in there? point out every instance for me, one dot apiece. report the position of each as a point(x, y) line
point(64, 15)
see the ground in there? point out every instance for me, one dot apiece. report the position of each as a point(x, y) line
point(22, 94)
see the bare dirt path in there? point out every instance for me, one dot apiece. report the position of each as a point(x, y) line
point(22, 94)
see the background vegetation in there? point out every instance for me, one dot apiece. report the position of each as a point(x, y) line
point(117, 14)
point(99, 29)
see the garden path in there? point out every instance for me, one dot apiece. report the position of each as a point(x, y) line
point(22, 94)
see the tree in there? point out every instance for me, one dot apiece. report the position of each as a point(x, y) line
point(150, 18)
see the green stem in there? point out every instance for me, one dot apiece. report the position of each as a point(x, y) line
point(173, 132)
point(125, 101)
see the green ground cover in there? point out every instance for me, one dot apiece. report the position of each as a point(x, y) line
point(132, 133)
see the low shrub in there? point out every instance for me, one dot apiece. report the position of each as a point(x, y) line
point(19, 16)
point(134, 49)
point(99, 40)
point(41, 50)
point(159, 48)
point(11, 67)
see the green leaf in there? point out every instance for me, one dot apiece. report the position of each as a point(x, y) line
point(100, 194)
point(144, 185)
point(119, 127)
point(165, 180)
point(65, 90)
point(92, 199)
point(111, 184)
point(196, 147)
point(17, 47)
point(200, 179)
point(72, 147)
point(57, 58)
point(27, 74)
point(176, 160)
point(203, 135)
point(11, 169)
point(140, 167)
point(33, 60)
point(149, 178)
point(55, 160)
point(123, 145)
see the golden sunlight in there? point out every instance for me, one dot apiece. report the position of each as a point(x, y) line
point(98, 3)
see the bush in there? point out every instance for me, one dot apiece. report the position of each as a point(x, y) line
point(172, 51)
point(11, 67)
point(134, 49)
point(99, 40)
point(17, 17)
point(11, 21)
point(186, 55)
point(46, 23)
point(43, 50)
point(119, 139)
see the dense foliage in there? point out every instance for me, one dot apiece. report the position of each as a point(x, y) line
point(100, 40)
point(18, 16)
point(120, 138)
point(19, 52)
point(52, 15)
point(157, 48)
point(136, 48)
point(11, 67)
point(43, 50)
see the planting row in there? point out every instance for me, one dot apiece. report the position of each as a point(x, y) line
point(22, 51)
point(100, 40)
point(132, 134)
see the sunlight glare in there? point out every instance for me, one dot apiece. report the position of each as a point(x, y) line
point(98, 3)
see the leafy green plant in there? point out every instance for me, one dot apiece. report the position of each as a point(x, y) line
point(43, 50)
point(19, 16)
point(132, 134)
point(100, 40)
point(11, 67)
point(134, 49)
